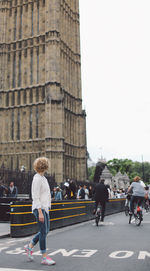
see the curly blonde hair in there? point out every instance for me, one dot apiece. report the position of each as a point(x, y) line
point(41, 164)
point(136, 178)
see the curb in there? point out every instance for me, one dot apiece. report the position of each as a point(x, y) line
point(5, 235)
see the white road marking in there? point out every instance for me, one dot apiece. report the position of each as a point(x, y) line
point(104, 224)
point(121, 254)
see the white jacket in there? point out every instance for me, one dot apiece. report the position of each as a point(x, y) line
point(41, 195)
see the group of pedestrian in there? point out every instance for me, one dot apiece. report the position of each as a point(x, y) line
point(70, 191)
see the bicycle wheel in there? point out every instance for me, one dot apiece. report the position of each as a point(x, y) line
point(138, 218)
point(126, 210)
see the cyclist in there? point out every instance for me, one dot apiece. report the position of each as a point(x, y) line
point(138, 192)
point(101, 196)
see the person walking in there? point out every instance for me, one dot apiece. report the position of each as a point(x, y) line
point(41, 202)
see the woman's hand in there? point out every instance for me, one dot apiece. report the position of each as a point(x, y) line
point(41, 216)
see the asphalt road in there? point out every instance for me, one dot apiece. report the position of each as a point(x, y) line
point(113, 246)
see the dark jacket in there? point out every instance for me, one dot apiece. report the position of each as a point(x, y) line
point(101, 192)
point(12, 194)
point(82, 193)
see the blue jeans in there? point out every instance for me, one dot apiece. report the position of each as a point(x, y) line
point(43, 230)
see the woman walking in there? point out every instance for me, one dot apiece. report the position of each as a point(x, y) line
point(41, 202)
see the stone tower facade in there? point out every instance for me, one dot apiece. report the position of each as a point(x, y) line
point(40, 87)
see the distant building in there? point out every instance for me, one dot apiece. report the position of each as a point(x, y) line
point(107, 176)
point(119, 181)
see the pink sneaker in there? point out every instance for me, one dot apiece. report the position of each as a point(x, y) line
point(48, 261)
point(29, 252)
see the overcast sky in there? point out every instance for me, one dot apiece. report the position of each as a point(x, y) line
point(115, 57)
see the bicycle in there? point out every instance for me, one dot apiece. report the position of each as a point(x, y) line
point(137, 215)
point(98, 214)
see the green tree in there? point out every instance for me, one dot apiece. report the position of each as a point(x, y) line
point(91, 171)
point(131, 168)
point(122, 165)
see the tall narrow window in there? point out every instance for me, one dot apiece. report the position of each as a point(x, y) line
point(8, 71)
point(19, 75)
point(20, 28)
point(13, 98)
point(14, 71)
point(37, 122)
point(24, 97)
point(38, 16)
point(12, 125)
point(15, 24)
point(31, 68)
point(17, 166)
point(30, 163)
point(30, 124)
point(11, 163)
point(18, 126)
point(37, 66)
point(31, 95)
point(18, 97)
point(32, 20)
point(37, 95)
point(43, 93)
point(7, 99)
